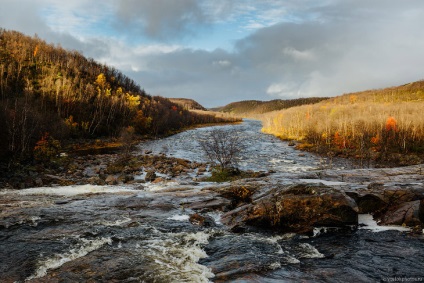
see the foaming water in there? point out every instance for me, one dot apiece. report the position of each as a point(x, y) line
point(173, 257)
point(82, 249)
point(366, 221)
point(179, 217)
point(69, 190)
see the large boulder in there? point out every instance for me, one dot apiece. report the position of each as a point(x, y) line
point(296, 208)
point(371, 203)
point(380, 198)
point(406, 213)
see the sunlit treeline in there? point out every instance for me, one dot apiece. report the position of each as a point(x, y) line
point(369, 125)
point(47, 89)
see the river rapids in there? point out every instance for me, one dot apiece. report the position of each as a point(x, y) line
point(87, 233)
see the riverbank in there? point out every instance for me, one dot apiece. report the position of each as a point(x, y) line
point(75, 157)
point(372, 158)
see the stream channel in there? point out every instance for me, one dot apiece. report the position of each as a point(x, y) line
point(90, 233)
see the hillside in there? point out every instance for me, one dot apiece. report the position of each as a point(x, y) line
point(49, 95)
point(187, 104)
point(253, 107)
point(382, 125)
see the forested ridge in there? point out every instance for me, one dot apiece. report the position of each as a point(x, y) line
point(253, 107)
point(188, 104)
point(49, 95)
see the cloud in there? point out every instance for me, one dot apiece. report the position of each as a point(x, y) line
point(298, 54)
point(20, 16)
point(222, 63)
point(359, 47)
point(285, 49)
point(161, 19)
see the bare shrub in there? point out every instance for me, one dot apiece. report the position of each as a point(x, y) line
point(222, 147)
point(127, 138)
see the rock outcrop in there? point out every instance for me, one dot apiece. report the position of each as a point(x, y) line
point(296, 208)
point(404, 214)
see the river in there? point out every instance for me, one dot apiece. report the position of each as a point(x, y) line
point(89, 233)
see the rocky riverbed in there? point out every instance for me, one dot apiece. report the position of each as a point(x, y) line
point(152, 217)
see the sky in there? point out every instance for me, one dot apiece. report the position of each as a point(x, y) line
point(221, 51)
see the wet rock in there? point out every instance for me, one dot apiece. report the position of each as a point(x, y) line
point(400, 194)
point(38, 182)
point(111, 180)
point(178, 169)
point(296, 208)
point(150, 176)
point(139, 187)
point(158, 180)
point(405, 214)
point(238, 194)
point(217, 203)
point(421, 211)
point(238, 229)
point(379, 198)
point(60, 202)
point(201, 169)
point(371, 203)
point(126, 178)
point(102, 174)
point(205, 221)
point(133, 224)
point(97, 181)
point(133, 203)
point(375, 186)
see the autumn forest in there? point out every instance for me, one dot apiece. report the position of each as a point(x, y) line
point(384, 125)
point(49, 95)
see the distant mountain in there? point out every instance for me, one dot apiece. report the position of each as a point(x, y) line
point(253, 107)
point(187, 104)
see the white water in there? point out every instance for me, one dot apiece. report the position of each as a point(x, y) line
point(366, 221)
point(179, 217)
point(173, 257)
point(56, 261)
point(309, 251)
point(69, 190)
